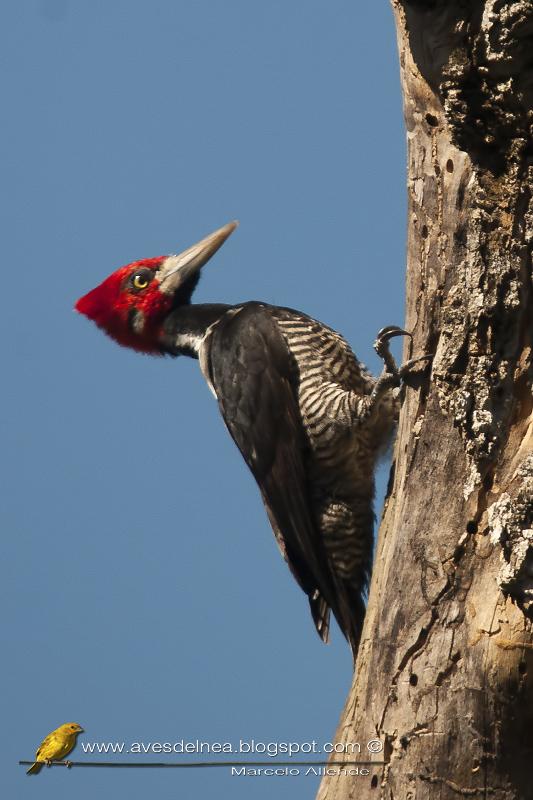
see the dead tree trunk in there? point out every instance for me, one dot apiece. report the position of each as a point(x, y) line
point(444, 676)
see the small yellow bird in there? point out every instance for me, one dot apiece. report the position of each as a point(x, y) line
point(56, 746)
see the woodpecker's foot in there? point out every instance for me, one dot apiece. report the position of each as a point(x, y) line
point(68, 764)
point(48, 762)
point(406, 369)
point(381, 346)
point(412, 377)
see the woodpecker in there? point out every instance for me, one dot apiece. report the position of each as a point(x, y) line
point(308, 418)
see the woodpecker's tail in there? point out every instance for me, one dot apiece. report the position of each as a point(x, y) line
point(350, 614)
point(356, 620)
point(320, 613)
point(35, 768)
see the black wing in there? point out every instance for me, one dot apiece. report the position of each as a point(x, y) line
point(248, 364)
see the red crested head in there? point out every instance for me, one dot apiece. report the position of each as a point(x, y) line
point(129, 305)
point(133, 302)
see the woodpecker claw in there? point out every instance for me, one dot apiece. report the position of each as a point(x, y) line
point(381, 346)
point(391, 375)
point(392, 330)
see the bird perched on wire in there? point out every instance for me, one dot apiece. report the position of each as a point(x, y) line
point(308, 418)
point(56, 746)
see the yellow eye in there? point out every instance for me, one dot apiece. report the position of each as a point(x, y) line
point(140, 281)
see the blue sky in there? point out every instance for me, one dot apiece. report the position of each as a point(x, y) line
point(143, 593)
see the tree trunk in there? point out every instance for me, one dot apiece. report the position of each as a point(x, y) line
point(444, 676)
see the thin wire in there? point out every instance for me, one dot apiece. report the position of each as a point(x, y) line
point(203, 764)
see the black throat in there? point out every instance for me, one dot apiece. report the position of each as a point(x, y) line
point(184, 328)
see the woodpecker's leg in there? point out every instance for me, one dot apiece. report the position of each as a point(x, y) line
point(361, 407)
point(345, 408)
point(381, 346)
point(392, 376)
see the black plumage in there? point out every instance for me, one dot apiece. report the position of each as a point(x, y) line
point(269, 368)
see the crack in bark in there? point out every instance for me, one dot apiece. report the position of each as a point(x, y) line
point(420, 642)
point(450, 669)
point(410, 653)
point(419, 730)
point(465, 791)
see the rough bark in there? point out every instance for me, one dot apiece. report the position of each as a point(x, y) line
point(444, 676)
